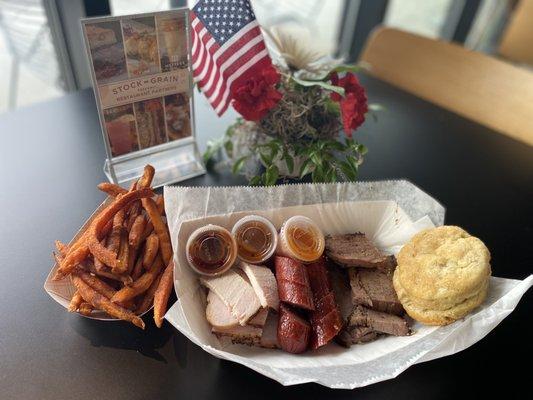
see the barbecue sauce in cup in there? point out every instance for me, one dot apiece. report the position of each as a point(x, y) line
point(211, 250)
point(256, 239)
point(301, 238)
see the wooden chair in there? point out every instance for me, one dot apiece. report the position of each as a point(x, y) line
point(481, 88)
point(517, 39)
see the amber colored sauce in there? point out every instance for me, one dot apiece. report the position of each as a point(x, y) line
point(303, 242)
point(254, 241)
point(211, 251)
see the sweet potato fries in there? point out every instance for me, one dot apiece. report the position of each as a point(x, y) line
point(124, 259)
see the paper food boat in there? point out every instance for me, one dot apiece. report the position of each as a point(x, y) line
point(389, 213)
point(63, 290)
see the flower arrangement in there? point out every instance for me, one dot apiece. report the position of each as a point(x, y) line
point(293, 115)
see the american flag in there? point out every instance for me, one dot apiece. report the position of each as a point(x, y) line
point(227, 48)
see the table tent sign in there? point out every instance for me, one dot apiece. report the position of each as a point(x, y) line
point(141, 74)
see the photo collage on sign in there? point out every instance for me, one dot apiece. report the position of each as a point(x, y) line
point(134, 47)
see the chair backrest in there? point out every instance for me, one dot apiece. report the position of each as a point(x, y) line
point(517, 39)
point(484, 89)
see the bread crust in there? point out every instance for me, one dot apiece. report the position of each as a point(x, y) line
point(445, 316)
point(442, 275)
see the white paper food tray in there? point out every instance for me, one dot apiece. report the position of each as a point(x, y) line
point(389, 213)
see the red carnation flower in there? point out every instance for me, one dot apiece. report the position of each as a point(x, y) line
point(258, 95)
point(354, 104)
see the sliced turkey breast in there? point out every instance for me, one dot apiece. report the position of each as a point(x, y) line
point(264, 283)
point(236, 293)
point(249, 335)
point(218, 313)
point(259, 319)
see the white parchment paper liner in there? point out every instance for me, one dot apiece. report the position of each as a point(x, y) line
point(390, 212)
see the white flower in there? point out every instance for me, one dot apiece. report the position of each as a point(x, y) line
point(295, 54)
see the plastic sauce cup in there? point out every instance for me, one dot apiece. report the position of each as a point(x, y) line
point(256, 239)
point(211, 250)
point(301, 238)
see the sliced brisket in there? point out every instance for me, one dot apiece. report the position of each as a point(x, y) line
point(355, 250)
point(341, 289)
point(379, 321)
point(359, 294)
point(356, 334)
point(373, 289)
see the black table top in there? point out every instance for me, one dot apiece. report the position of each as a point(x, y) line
point(51, 158)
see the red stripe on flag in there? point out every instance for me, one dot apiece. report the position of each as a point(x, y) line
point(248, 36)
point(235, 81)
point(204, 37)
point(210, 66)
point(207, 60)
point(195, 39)
point(235, 66)
point(223, 57)
point(261, 64)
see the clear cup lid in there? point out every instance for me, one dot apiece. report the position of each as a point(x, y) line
point(301, 238)
point(211, 250)
point(256, 238)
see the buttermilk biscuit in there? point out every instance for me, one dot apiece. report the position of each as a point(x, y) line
point(442, 275)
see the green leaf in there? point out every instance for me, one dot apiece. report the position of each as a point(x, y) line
point(256, 180)
point(376, 107)
point(306, 168)
point(265, 158)
point(353, 162)
point(229, 131)
point(350, 142)
point(347, 170)
point(362, 149)
point(271, 175)
point(328, 157)
point(274, 150)
point(275, 142)
point(318, 174)
point(347, 68)
point(213, 146)
point(323, 85)
point(333, 107)
point(334, 145)
point(290, 162)
point(339, 69)
point(301, 150)
point(237, 167)
point(228, 146)
point(315, 158)
point(331, 175)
